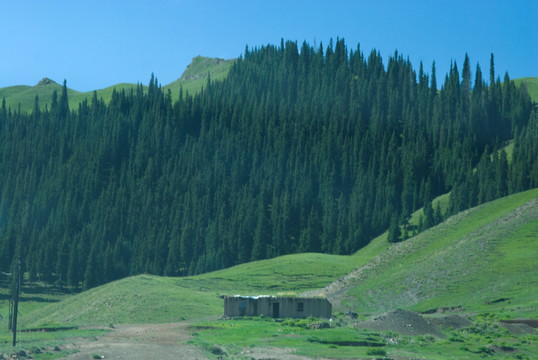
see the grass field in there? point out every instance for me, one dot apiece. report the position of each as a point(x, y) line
point(240, 338)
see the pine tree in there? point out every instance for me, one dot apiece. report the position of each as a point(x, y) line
point(63, 106)
point(259, 247)
point(394, 231)
point(91, 275)
point(429, 215)
point(73, 273)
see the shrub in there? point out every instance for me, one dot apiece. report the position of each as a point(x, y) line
point(376, 352)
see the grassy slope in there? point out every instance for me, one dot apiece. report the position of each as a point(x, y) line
point(380, 243)
point(532, 86)
point(25, 95)
point(192, 80)
point(154, 299)
point(195, 76)
point(469, 261)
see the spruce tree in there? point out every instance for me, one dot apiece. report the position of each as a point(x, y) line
point(394, 231)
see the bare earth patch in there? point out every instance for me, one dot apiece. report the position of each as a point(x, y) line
point(159, 341)
point(273, 353)
point(403, 322)
point(154, 341)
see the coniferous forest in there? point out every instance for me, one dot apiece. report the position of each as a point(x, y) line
point(299, 149)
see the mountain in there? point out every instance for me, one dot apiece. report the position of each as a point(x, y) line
point(303, 168)
point(192, 80)
point(297, 150)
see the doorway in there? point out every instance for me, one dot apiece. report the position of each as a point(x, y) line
point(276, 310)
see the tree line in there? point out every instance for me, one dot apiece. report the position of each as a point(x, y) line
point(299, 149)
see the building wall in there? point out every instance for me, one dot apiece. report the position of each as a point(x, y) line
point(278, 307)
point(240, 306)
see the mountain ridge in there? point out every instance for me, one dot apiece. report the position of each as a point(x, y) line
point(192, 80)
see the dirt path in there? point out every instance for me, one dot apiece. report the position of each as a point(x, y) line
point(157, 341)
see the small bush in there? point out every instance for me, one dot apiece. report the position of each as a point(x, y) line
point(456, 339)
point(484, 350)
point(35, 350)
point(376, 352)
point(215, 350)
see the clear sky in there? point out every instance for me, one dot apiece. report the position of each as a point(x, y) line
point(98, 43)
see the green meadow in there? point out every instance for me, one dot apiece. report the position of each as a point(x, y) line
point(239, 338)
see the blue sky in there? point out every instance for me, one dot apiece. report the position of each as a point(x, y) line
point(95, 44)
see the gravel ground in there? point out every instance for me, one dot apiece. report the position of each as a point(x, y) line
point(452, 321)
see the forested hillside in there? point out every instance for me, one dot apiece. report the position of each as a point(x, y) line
point(297, 150)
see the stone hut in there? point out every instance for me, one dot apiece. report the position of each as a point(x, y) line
point(277, 307)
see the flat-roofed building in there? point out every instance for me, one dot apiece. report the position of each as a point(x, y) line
point(277, 306)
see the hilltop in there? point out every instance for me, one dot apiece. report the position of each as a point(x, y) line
point(532, 86)
point(197, 72)
point(192, 80)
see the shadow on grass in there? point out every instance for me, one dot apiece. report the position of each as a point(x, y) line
point(38, 299)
